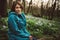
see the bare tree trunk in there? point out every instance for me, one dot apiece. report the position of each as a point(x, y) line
point(30, 7)
point(10, 3)
point(53, 9)
point(47, 10)
point(42, 9)
point(3, 8)
point(58, 9)
point(24, 5)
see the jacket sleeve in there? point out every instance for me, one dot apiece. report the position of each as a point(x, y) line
point(14, 28)
point(25, 30)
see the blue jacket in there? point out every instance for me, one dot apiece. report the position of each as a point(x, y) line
point(17, 27)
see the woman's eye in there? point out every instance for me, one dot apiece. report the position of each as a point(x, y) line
point(18, 7)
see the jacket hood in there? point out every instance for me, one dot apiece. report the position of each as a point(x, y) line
point(11, 13)
point(14, 13)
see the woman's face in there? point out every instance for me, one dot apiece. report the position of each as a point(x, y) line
point(18, 9)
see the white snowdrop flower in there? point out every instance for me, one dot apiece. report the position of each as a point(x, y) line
point(4, 26)
point(50, 24)
point(37, 29)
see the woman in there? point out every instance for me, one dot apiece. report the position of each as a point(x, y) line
point(17, 24)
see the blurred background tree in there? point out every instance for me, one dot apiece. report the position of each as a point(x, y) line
point(3, 8)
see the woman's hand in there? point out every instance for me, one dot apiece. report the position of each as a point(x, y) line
point(30, 37)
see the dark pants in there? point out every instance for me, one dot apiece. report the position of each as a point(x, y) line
point(34, 38)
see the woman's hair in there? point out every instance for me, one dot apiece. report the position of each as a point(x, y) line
point(14, 4)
